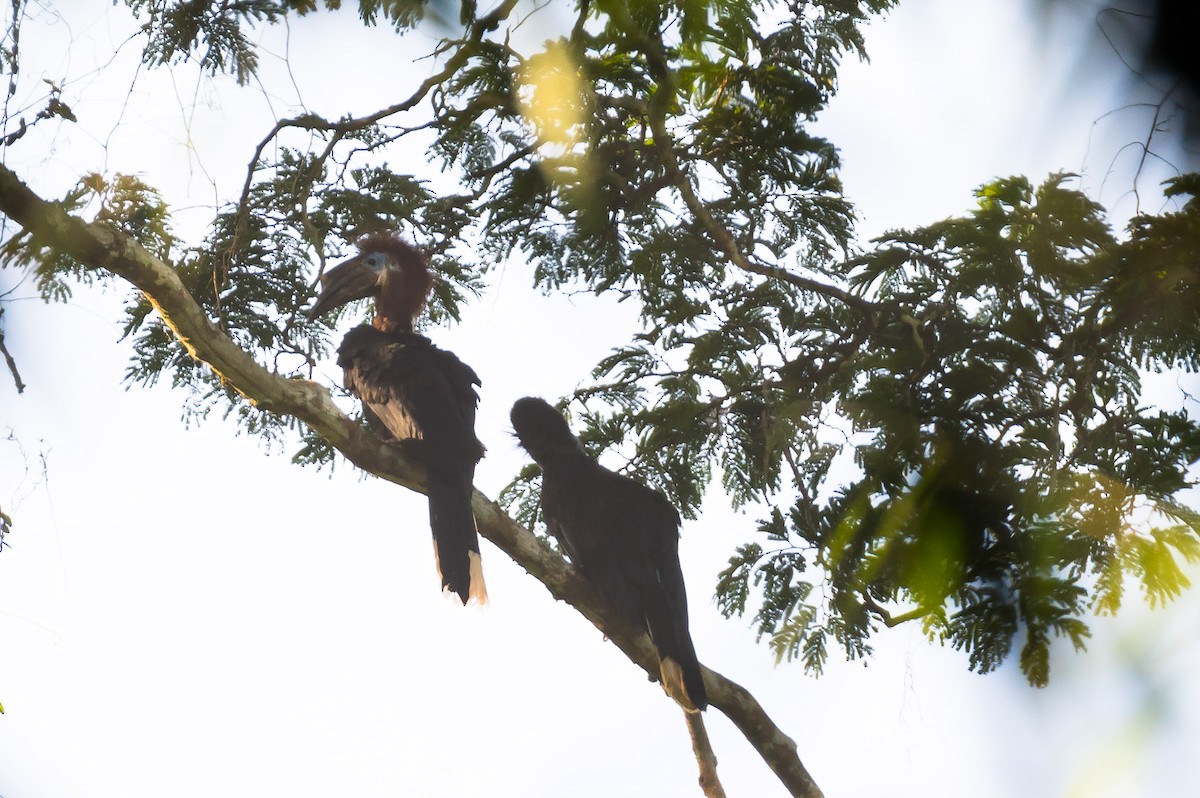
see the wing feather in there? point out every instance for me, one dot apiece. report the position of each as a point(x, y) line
point(418, 391)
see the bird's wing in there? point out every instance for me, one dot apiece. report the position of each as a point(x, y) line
point(419, 392)
point(610, 526)
point(578, 513)
point(426, 398)
point(647, 531)
point(624, 537)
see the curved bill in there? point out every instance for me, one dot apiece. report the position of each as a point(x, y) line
point(344, 283)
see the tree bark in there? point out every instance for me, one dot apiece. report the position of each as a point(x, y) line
point(706, 758)
point(98, 246)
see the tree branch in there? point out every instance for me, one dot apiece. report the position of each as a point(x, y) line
point(8, 358)
point(100, 247)
point(710, 784)
point(888, 619)
point(664, 145)
point(343, 127)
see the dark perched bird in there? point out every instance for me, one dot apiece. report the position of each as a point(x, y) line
point(424, 397)
point(623, 536)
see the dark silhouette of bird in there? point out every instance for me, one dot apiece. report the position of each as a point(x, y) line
point(421, 397)
point(623, 537)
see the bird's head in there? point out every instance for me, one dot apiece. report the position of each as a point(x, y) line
point(393, 272)
point(542, 430)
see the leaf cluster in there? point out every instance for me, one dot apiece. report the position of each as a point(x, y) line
point(1008, 474)
point(218, 36)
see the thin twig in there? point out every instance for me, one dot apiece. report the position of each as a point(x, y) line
point(664, 144)
point(8, 358)
point(705, 757)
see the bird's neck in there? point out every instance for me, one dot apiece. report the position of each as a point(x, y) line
point(392, 324)
point(560, 453)
point(394, 309)
point(398, 302)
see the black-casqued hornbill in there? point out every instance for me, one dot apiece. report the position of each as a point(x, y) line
point(623, 537)
point(422, 396)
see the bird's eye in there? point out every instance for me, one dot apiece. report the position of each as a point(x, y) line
point(374, 261)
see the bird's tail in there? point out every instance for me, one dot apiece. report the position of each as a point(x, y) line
point(455, 538)
point(678, 666)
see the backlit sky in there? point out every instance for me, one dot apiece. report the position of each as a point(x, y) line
point(185, 613)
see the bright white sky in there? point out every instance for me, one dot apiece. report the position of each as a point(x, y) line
point(184, 613)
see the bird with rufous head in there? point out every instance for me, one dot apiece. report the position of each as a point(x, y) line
point(421, 397)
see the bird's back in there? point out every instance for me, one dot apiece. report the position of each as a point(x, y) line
point(624, 537)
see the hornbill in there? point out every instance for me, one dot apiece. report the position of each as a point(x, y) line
point(424, 397)
point(622, 535)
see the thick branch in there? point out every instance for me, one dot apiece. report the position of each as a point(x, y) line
point(100, 247)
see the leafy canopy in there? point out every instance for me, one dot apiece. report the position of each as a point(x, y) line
point(949, 426)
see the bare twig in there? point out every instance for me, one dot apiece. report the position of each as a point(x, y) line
point(344, 127)
point(705, 757)
point(8, 358)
